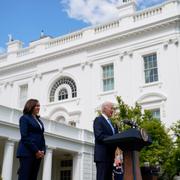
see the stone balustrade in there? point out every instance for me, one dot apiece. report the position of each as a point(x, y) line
point(106, 27)
point(147, 13)
point(25, 51)
point(63, 40)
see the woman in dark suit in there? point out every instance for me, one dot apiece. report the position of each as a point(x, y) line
point(31, 148)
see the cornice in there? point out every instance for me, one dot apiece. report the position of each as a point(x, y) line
point(9, 124)
point(10, 79)
point(144, 99)
point(68, 139)
point(129, 49)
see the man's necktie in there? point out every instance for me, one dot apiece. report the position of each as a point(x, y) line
point(109, 121)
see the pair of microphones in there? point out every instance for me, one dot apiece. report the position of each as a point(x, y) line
point(131, 123)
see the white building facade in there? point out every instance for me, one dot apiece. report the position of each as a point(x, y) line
point(136, 57)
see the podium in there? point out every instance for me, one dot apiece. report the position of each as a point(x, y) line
point(131, 142)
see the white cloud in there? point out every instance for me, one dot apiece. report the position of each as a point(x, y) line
point(91, 11)
point(98, 11)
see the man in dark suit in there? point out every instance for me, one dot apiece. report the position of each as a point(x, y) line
point(104, 154)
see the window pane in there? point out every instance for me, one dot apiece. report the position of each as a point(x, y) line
point(61, 119)
point(63, 94)
point(66, 170)
point(156, 113)
point(108, 77)
point(150, 68)
point(23, 95)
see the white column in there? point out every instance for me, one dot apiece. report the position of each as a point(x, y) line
point(47, 166)
point(77, 166)
point(8, 160)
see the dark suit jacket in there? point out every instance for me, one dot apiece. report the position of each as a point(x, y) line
point(32, 136)
point(103, 152)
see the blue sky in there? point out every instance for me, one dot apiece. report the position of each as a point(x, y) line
point(25, 19)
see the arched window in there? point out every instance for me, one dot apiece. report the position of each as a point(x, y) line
point(60, 119)
point(66, 88)
point(63, 94)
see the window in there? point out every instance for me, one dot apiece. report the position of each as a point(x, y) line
point(72, 123)
point(66, 170)
point(108, 77)
point(63, 94)
point(64, 83)
point(156, 113)
point(23, 95)
point(65, 175)
point(150, 68)
point(60, 119)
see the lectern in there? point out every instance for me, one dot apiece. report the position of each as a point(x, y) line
point(131, 142)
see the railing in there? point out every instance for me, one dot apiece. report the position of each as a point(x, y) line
point(25, 51)
point(106, 27)
point(11, 116)
point(64, 40)
point(147, 13)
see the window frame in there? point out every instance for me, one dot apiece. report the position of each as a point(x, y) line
point(19, 94)
point(154, 106)
point(66, 168)
point(64, 94)
point(157, 67)
point(72, 93)
point(153, 109)
point(108, 78)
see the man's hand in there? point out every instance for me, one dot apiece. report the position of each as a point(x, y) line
point(39, 154)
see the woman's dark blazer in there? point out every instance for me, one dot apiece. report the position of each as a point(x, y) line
point(32, 136)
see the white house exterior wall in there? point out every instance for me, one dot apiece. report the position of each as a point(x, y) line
point(80, 56)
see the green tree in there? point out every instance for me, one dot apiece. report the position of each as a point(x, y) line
point(176, 132)
point(160, 151)
point(173, 164)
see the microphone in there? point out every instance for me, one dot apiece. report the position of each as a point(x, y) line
point(130, 123)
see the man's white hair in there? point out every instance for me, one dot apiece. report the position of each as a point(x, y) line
point(105, 105)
